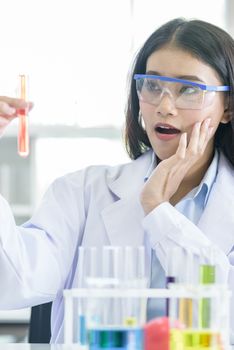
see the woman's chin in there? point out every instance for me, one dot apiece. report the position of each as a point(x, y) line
point(163, 155)
point(164, 150)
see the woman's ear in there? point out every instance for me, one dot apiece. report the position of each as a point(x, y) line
point(227, 116)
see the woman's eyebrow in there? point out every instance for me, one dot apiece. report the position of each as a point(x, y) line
point(185, 77)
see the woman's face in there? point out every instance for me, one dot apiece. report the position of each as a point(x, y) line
point(173, 62)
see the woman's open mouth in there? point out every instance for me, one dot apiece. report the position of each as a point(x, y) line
point(166, 132)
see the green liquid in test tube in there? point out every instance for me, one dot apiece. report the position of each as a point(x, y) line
point(207, 276)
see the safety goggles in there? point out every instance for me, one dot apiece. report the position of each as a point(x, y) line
point(186, 94)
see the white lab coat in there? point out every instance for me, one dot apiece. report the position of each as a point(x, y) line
point(100, 206)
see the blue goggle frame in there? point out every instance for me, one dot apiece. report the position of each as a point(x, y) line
point(176, 80)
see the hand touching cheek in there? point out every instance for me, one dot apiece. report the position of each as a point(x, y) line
point(169, 174)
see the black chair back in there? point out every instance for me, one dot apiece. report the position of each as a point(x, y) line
point(39, 328)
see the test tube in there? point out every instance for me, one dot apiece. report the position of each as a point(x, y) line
point(118, 323)
point(87, 268)
point(112, 263)
point(142, 283)
point(186, 304)
point(112, 268)
point(207, 276)
point(23, 134)
point(140, 263)
point(87, 265)
point(134, 277)
point(107, 332)
point(173, 266)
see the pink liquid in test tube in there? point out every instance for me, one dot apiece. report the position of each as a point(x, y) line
point(23, 135)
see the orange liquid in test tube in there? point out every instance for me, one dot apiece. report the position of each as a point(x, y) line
point(23, 135)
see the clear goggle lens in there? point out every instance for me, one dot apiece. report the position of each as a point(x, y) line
point(185, 96)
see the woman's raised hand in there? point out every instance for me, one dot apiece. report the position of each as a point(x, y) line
point(8, 110)
point(169, 174)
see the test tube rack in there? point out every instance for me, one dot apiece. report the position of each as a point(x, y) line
point(175, 292)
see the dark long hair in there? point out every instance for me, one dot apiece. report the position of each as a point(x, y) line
point(204, 41)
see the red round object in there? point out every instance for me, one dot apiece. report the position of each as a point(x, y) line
point(156, 334)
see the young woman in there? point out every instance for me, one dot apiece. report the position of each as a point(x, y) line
point(177, 191)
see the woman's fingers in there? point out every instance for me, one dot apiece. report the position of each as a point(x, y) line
point(187, 154)
point(204, 132)
point(181, 150)
point(199, 138)
point(192, 148)
point(9, 105)
point(6, 109)
point(13, 102)
point(208, 137)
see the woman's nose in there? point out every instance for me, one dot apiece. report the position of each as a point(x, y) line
point(166, 105)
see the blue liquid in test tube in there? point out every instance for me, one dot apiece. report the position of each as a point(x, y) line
point(116, 339)
point(87, 265)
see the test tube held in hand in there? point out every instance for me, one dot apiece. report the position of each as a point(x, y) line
point(23, 135)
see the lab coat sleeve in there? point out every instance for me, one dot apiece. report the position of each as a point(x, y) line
point(166, 228)
point(35, 259)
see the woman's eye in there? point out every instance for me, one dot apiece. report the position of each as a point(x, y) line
point(152, 86)
point(189, 90)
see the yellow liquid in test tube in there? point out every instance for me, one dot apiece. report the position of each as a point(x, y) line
point(186, 312)
point(191, 339)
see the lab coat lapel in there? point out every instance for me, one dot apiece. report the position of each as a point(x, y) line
point(217, 221)
point(122, 221)
point(123, 218)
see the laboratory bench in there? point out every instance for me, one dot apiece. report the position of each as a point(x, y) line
point(26, 346)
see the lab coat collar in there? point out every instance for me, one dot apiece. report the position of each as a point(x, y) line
point(131, 178)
